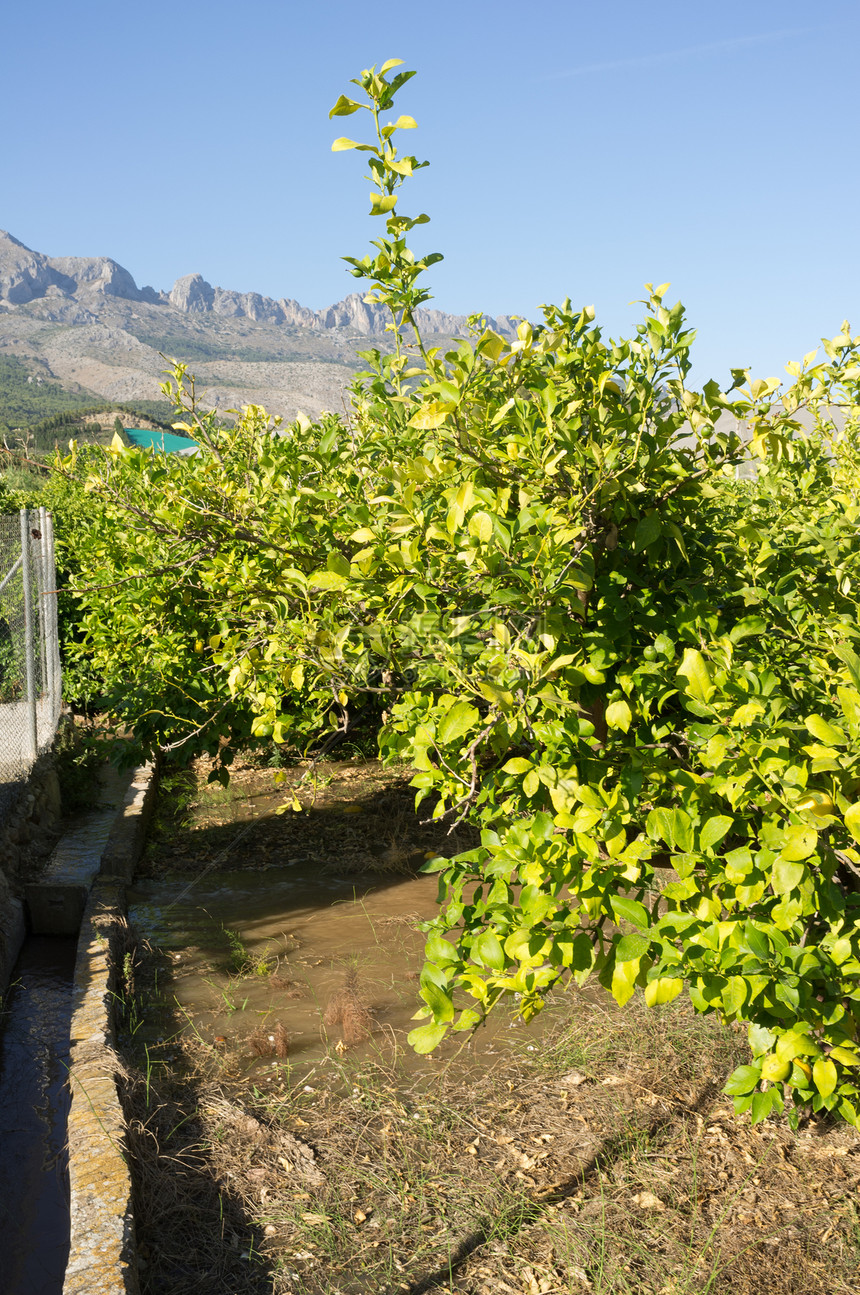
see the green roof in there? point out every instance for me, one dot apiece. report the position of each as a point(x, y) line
point(167, 442)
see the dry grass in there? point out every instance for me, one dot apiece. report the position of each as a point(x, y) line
point(602, 1159)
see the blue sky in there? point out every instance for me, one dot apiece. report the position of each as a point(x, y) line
point(576, 149)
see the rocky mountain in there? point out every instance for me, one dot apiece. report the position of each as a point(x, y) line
point(85, 323)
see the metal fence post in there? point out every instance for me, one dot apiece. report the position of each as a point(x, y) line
point(32, 733)
point(54, 668)
point(44, 683)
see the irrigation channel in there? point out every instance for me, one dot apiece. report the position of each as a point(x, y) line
point(546, 1157)
point(253, 955)
point(34, 1103)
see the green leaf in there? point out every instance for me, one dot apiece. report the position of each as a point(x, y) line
point(439, 864)
point(344, 107)
point(648, 529)
point(743, 1080)
point(436, 997)
point(694, 670)
point(630, 910)
point(337, 563)
point(426, 1037)
point(456, 722)
point(682, 829)
point(734, 995)
point(439, 949)
point(631, 948)
point(852, 662)
point(660, 826)
point(405, 122)
point(389, 64)
point(618, 715)
point(487, 951)
point(762, 1104)
point(714, 830)
point(517, 765)
point(342, 144)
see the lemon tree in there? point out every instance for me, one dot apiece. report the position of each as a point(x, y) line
point(635, 673)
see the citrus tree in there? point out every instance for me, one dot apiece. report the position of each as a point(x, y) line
point(635, 673)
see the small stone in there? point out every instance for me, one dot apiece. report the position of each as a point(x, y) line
point(648, 1201)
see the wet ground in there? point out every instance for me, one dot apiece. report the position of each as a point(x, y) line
point(590, 1151)
point(34, 1102)
point(313, 903)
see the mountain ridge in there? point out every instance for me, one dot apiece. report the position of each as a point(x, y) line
point(27, 276)
point(82, 324)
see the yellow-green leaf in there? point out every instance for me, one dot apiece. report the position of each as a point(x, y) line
point(457, 722)
point(663, 990)
point(344, 107)
point(531, 782)
point(624, 980)
point(481, 526)
point(327, 580)
point(380, 203)
point(714, 830)
point(618, 715)
point(847, 1058)
point(694, 670)
point(431, 415)
point(826, 733)
point(824, 1076)
point(786, 876)
point(798, 842)
point(426, 1037)
point(852, 820)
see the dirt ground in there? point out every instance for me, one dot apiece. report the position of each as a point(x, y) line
point(355, 815)
point(600, 1157)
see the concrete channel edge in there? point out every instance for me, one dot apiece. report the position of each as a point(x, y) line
point(102, 1258)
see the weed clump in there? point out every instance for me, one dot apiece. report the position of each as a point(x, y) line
point(270, 1043)
point(347, 1009)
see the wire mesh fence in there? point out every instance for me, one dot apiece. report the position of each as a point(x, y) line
point(30, 677)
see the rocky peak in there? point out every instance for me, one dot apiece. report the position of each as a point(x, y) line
point(27, 276)
point(192, 293)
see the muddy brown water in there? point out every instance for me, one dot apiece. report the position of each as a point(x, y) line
point(303, 933)
point(34, 1105)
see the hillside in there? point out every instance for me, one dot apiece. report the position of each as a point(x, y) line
point(81, 331)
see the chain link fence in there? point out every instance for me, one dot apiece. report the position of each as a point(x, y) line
point(30, 678)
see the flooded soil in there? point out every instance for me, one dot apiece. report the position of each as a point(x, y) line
point(285, 1141)
point(315, 908)
point(34, 1105)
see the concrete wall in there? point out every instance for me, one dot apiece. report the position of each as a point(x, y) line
point(29, 826)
